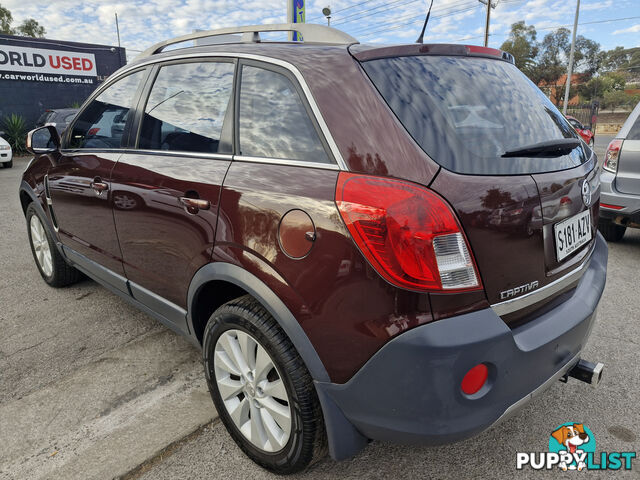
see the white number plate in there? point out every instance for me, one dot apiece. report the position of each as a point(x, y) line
point(572, 233)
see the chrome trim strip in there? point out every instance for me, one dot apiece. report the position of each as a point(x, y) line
point(176, 153)
point(530, 396)
point(283, 161)
point(514, 304)
point(261, 58)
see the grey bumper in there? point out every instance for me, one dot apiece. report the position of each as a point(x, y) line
point(409, 391)
point(609, 195)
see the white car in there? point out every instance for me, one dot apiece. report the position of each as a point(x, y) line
point(6, 155)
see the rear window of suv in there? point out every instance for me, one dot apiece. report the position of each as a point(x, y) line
point(465, 112)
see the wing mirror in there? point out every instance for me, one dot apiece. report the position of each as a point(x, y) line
point(43, 140)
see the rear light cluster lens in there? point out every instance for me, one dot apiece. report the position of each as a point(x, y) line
point(407, 232)
point(611, 157)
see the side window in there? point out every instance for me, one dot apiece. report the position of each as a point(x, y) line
point(187, 108)
point(634, 132)
point(273, 120)
point(101, 124)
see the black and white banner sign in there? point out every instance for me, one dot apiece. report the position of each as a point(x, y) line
point(43, 61)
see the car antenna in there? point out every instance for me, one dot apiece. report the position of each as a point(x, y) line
point(424, 27)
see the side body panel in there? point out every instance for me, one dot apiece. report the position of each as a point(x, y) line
point(162, 244)
point(346, 309)
point(83, 216)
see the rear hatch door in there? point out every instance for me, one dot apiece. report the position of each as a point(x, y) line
point(470, 113)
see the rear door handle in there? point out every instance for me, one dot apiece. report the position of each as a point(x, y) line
point(99, 186)
point(193, 205)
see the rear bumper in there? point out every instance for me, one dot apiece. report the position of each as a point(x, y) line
point(609, 195)
point(409, 391)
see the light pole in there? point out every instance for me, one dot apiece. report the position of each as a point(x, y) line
point(490, 4)
point(570, 69)
point(326, 11)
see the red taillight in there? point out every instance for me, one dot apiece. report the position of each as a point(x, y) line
point(484, 50)
point(611, 157)
point(475, 379)
point(565, 201)
point(407, 232)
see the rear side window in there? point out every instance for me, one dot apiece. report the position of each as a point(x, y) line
point(273, 120)
point(634, 132)
point(101, 124)
point(466, 112)
point(187, 108)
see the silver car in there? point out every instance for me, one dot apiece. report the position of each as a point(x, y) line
point(620, 196)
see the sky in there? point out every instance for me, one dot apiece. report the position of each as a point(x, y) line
point(143, 23)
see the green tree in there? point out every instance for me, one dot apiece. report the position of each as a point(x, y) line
point(5, 21)
point(588, 57)
point(28, 28)
point(31, 28)
point(615, 59)
point(551, 62)
point(598, 87)
point(522, 44)
point(618, 98)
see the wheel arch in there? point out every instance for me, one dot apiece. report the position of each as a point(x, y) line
point(230, 281)
point(344, 440)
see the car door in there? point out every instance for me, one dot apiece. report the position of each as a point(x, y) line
point(79, 184)
point(166, 190)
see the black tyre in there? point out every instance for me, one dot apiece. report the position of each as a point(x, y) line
point(51, 265)
point(8, 164)
point(261, 388)
point(610, 231)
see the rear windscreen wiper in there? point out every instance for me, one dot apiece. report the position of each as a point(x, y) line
point(550, 148)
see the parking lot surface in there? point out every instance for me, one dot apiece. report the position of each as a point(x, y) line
point(92, 388)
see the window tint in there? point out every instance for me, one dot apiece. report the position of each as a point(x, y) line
point(634, 132)
point(466, 113)
point(273, 120)
point(187, 107)
point(101, 124)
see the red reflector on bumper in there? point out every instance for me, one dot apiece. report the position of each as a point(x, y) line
point(475, 379)
point(612, 207)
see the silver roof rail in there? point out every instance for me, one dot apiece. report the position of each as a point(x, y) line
point(311, 33)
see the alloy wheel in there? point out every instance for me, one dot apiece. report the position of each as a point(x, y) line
point(41, 245)
point(252, 390)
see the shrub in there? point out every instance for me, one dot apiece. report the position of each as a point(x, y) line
point(15, 132)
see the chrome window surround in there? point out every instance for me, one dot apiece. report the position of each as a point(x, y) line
point(341, 165)
point(515, 304)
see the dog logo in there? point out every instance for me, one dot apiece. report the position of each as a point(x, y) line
point(573, 441)
point(572, 447)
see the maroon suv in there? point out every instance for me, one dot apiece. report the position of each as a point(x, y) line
point(364, 241)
